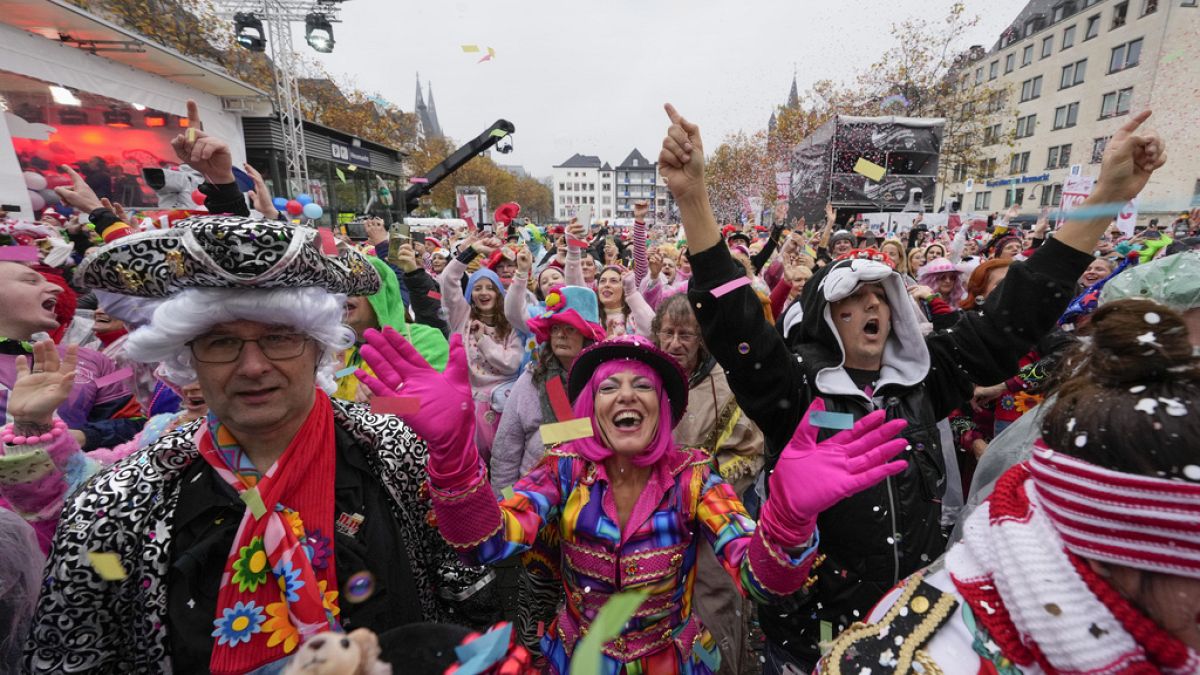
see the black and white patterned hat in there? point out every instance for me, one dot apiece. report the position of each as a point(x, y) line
point(225, 252)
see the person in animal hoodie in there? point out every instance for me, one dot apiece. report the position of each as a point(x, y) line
point(859, 348)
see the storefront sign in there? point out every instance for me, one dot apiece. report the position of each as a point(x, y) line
point(344, 152)
point(1017, 180)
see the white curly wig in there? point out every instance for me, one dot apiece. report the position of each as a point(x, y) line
point(192, 312)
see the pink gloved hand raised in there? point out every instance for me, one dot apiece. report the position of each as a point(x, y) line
point(446, 418)
point(811, 477)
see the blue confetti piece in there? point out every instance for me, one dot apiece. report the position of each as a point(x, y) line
point(344, 372)
point(483, 652)
point(831, 420)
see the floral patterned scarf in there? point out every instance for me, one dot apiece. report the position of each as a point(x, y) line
point(280, 586)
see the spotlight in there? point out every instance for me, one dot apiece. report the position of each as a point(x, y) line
point(504, 145)
point(249, 30)
point(120, 119)
point(318, 32)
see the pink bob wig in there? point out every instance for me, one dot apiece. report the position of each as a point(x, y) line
point(594, 448)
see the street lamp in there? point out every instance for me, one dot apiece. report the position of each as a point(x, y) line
point(318, 32)
point(249, 30)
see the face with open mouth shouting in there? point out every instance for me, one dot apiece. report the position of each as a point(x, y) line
point(627, 412)
point(863, 321)
point(29, 301)
point(609, 289)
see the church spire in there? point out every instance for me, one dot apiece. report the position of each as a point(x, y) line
point(794, 95)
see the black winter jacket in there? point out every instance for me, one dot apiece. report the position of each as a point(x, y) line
point(875, 538)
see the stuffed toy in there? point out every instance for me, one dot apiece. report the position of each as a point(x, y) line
point(354, 653)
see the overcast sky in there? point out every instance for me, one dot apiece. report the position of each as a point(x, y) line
point(590, 76)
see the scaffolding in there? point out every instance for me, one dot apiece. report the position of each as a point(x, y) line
point(277, 17)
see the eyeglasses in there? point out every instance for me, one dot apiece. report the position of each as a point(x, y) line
point(684, 337)
point(227, 348)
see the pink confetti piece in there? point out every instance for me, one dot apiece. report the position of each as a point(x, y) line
point(418, 179)
point(395, 405)
point(114, 378)
point(730, 286)
point(19, 253)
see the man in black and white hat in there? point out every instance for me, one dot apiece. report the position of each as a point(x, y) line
point(224, 528)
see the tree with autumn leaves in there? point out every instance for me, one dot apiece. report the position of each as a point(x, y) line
point(923, 74)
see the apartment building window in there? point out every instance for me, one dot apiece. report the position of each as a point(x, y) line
point(1125, 56)
point(979, 75)
point(1120, 11)
point(1066, 115)
point(1031, 89)
point(991, 135)
point(1058, 157)
point(606, 199)
point(1018, 162)
point(961, 171)
point(983, 201)
point(606, 187)
point(1027, 55)
point(1010, 62)
point(987, 169)
point(1093, 27)
point(1016, 196)
point(1026, 125)
point(1116, 103)
point(1059, 12)
point(1052, 195)
point(562, 186)
point(1073, 74)
point(1149, 7)
point(1047, 46)
point(1098, 145)
point(994, 70)
point(1068, 37)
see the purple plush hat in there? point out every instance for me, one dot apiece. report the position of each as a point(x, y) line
point(637, 348)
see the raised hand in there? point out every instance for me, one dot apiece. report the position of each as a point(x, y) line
point(810, 477)
point(406, 258)
point(446, 418)
point(207, 154)
point(640, 209)
point(80, 196)
point(1129, 160)
point(524, 260)
point(261, 194)
point(376, 231)
point(117, 208)
point(654, 261)
point(681, 161)
point(37, 393)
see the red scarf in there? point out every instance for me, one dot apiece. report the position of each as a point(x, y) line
point(280, 586)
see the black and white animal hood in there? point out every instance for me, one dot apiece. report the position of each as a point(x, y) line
point(905, 357)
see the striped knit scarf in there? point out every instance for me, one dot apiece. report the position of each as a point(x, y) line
point(1043, 605)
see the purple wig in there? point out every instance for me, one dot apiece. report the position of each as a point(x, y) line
point(593, 448)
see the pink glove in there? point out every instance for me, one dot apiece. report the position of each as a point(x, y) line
point(446, 419)
point(811, 477)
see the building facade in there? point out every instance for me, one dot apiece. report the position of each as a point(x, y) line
point(578, 181)
point(1074, 70)
point(635, 182)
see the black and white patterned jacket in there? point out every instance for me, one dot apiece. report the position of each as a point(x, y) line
point(85, 624)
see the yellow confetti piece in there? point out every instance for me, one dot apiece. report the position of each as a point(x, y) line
point(254, 502)
point(191, 135)
point(470, 48)
point(865, 167)
point(107, 565)
point(561, 432)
